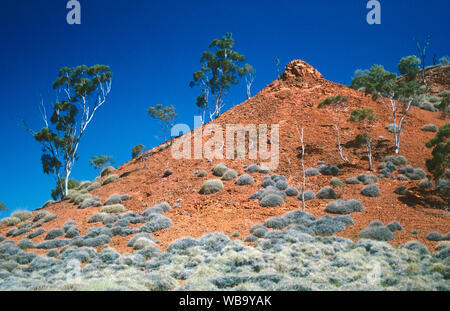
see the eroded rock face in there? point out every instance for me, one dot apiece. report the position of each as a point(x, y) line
point(300, 71)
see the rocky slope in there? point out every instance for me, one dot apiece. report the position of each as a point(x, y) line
point(96, 231)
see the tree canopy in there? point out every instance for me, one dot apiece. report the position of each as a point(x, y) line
point(409, 67)
point(221, 67)
point(137, 151)
point(84, 90)
point(164, 114)
point(441, 152)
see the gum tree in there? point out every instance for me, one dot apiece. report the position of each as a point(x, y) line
point(165, 115)
point(400, 97)
point(83, 91)
point(336, 107)
point(137, 151)
point(221, 67)
point(366, 119)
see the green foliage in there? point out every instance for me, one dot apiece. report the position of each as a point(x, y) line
point(409, 67)
point(86, 90)
point(3, 207)
point(376, 75)
point(336, 182)
point(164, 114)
point(333, 100)
point(101, 161)
point(441, 152)
point(359, 115)
point(444, 61)
point(361, 139)
point(444, 106)
point(60, 186)
point(380, 82)
point(137, 151)
point(221, 67)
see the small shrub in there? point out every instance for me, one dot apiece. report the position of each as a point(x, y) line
point(254, 168)
point(219, 169)
point(391, 127)
point(378, 233)
point(110, 179)
point(336, 182)
point(244, 180)
point(344, 207)
point(53, 234)
point(202, 173)
point(267, 181)
point(94, 185)
point(352, 181)
point(367, 179)
point(271, 200)
point(435, 236)
point(394, 226)
point(371, 191)
point(106, 171)
point(113, 209)
point(312, 172)
point(275, 223)
point(22, 215)
point(211, 186)
point(12, 221)
point(113, 199)
point(327, 193)
point(425, 184)
point(430, 128)
point(396, 160)
point(309, 195)
point(328, 170)
point(281, 185)
point(291, 191)
point(230, 174)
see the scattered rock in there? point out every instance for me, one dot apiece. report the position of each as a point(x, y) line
point(167, 173)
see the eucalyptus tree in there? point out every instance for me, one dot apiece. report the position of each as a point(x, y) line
point(221, 67)
point(83, 90)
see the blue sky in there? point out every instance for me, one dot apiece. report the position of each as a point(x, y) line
point(153, 47)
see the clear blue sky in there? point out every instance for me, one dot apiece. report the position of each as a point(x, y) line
point(153, 47)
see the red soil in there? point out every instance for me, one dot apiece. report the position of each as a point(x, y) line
point(289, 100)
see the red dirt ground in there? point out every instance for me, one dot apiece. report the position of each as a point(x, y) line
point(291, 99)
